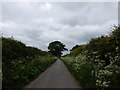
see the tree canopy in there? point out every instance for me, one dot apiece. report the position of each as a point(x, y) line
point(56, 48)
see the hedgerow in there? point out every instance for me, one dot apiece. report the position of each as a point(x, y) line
point(97, 63)
point(22, 64)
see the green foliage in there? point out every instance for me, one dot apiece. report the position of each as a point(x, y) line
point(98, 47)
point(92, 75)
point(56, 48)
point(104, 48)
point(77, 51)
point(97, 63)
point(21, 73)
point(21, 64)
point(76, 46)
point(13, 50)
point(81, 68)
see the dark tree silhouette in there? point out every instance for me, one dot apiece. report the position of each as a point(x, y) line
point(56, 48)
point(76, 46)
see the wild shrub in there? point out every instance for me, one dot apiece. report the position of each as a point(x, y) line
point(21, 64)
point(97, 63)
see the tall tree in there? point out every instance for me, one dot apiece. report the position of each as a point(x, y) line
point(56, 48)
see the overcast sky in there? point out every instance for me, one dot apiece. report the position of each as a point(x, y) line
point(37, 24)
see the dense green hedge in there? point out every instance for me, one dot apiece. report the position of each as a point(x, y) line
point(21, 64)
point(13, 50)
point(21, 73)
point(91, 75)
point(81, 68)
point(104, 48)
point(97, 63)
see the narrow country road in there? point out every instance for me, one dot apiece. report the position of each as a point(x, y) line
point(57, 76)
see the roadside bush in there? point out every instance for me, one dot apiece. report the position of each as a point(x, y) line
point(97, 63)
point(13, 50)
point(92, 75)
point(82, 69)
point(21, 73)
point(21, 63)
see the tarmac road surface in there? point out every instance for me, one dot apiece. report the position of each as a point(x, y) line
point(56, 76)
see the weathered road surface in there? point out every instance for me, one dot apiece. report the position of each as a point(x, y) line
point(57, 76)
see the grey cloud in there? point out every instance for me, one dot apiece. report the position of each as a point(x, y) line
point(91, 13)
point(38, 24)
